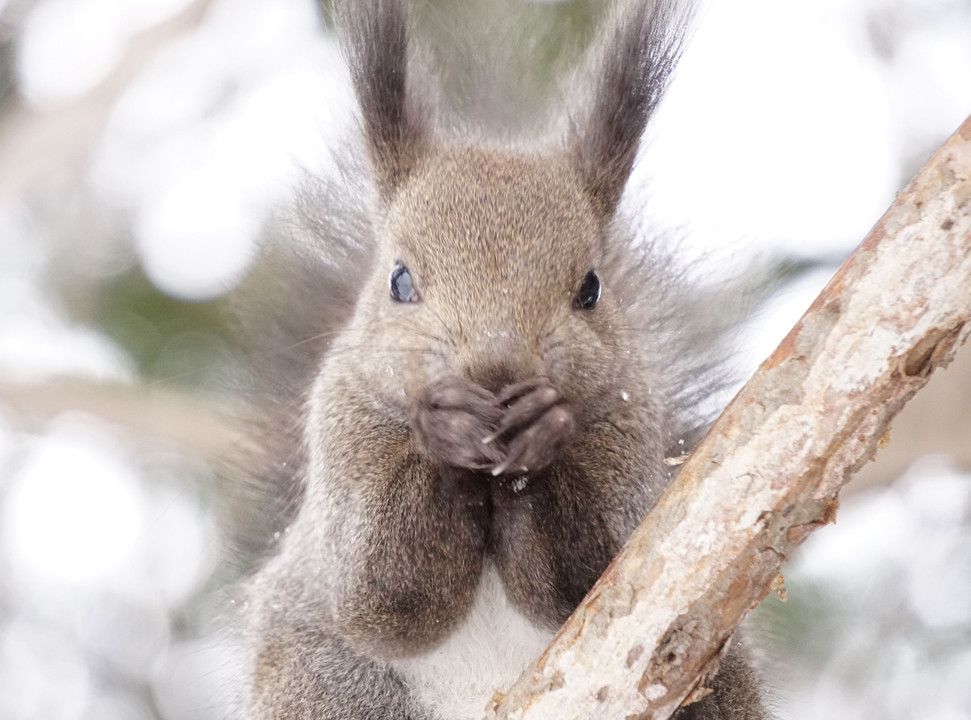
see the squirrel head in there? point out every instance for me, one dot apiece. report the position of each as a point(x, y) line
point(495, 263)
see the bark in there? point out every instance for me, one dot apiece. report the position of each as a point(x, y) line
point(769, 471)
point(936, 422)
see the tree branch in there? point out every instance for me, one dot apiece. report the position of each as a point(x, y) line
point(769, 471)
point(194, 422)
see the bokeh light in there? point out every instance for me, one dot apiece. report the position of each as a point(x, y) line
point(73, 512)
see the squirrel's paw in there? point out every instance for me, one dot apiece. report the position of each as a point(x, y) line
point(536, 424)
point(452, 418)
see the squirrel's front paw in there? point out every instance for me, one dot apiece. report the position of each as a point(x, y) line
point(536, 424)
point(452, 419)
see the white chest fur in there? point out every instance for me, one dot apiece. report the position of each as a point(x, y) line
point(487, 652)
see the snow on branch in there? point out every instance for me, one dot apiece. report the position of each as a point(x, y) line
point(769, 471)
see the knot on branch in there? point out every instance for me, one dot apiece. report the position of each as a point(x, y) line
point(934, 349)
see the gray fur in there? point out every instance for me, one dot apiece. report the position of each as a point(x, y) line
point(375, 37)
point(493, 430)
point(631, 67)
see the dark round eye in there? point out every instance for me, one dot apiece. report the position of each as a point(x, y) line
point(589, 292)
point(402, 287)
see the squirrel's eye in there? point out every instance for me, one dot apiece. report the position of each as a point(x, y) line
point(402, 287)
point(589, 293)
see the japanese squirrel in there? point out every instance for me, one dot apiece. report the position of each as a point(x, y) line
point(500, 364)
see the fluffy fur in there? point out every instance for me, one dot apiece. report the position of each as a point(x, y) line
point(461, 467)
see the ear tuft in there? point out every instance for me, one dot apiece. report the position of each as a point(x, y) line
point(375, 40)
point(630, 67)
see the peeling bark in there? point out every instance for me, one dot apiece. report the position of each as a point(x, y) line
point(769, 471)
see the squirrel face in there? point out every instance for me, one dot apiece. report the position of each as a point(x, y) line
point(501, 257)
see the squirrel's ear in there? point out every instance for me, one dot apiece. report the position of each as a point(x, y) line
point(629, 68)
point(375, 40)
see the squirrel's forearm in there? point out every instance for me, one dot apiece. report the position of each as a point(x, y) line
point(553, 538)
point(408, 536)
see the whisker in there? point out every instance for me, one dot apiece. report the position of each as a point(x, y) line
point(448, 330)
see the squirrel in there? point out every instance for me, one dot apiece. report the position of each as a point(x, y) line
point(485, 420)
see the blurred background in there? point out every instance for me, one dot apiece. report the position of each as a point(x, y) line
point(145, 146)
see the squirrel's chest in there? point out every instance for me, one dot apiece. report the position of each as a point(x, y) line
point(486, 653)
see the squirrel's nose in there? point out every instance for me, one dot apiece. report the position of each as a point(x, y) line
point(493, 377)
point(497, 359)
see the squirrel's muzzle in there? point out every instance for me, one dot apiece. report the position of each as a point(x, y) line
point(497, 359)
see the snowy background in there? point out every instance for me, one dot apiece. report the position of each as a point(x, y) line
point(143, 145)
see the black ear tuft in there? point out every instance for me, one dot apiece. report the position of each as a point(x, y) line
point(630, 67)
point(375, 40)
